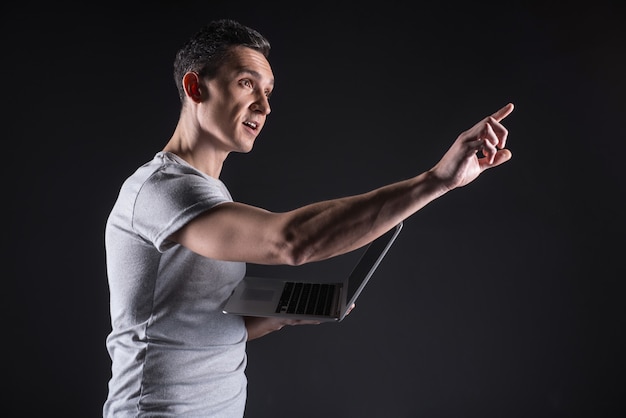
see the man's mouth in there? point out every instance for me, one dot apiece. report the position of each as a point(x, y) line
point(252, 125)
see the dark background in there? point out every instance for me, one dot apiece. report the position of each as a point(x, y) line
point(511, 290)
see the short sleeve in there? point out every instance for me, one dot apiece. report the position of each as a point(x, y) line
point(170, 198)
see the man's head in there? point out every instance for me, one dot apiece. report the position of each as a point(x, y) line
point(208, 48)
point(225, 81)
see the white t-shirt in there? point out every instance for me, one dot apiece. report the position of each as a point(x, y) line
point(173, 351)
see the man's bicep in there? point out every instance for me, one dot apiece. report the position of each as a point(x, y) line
point(235, 232)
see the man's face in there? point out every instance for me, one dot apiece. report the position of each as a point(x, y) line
point(238, 100)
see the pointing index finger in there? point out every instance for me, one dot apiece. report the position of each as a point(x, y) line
point(503, 112)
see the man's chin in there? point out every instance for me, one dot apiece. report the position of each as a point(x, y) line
point(245, 150)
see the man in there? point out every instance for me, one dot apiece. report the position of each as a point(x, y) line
point(177, 244)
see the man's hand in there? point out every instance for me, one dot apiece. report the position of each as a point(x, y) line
point(475, 150)
point(261, 326)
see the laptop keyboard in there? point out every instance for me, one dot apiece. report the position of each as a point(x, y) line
point(306, 298)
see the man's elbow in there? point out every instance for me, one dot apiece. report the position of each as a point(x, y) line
point(293, 255)
point(295, 251)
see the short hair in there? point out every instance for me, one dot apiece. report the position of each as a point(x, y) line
point(206, 50)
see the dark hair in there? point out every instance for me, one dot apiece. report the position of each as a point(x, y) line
point(205, 51)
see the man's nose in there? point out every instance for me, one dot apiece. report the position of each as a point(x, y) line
point(262, 105)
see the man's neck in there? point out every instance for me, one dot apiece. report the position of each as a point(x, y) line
point(202, 155)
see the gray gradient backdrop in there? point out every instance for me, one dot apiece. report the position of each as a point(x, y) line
point(511, 290)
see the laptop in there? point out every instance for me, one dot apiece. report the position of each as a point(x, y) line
point(309, 299)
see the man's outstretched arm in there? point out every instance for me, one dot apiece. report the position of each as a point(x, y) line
point(239, 232)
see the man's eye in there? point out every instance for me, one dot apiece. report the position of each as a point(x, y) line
point(246, 83)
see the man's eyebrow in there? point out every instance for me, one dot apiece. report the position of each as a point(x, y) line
point(253, 73)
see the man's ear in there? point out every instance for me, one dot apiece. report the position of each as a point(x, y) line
point(193, 88)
